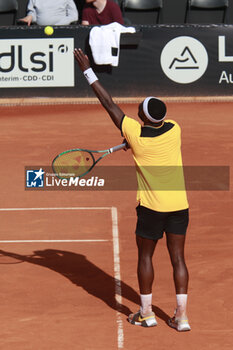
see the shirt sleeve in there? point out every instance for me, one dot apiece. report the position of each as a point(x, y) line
point(117, 14)
point(131, 130)
point(85, 16)
point(177, 128)
point(31, 11)
point(71, 14)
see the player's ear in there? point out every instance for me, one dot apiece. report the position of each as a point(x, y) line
point(141, 113)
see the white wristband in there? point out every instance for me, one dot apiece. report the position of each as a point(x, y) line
point(90, 76)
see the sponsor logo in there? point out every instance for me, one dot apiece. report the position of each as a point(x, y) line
point(44, 179)
point(184, 60)
point(35, 178)
point(36, 62)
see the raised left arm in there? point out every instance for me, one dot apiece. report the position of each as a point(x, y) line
point(104, 97)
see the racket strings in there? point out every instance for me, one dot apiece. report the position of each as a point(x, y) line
point(74, 163)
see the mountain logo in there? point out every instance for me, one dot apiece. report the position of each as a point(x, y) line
point(184, 60)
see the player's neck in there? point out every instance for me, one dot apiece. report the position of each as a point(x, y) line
point(157, 126)
point(100, 5)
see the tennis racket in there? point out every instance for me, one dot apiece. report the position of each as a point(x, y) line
point(78, 162)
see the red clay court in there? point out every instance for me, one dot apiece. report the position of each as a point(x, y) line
point(68, 258)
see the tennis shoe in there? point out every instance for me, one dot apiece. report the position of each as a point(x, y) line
point(145, 321)
point(180, 324)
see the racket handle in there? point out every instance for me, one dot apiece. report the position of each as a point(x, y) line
point(117, 148)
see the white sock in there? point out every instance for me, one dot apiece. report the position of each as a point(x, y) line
point(181, 300)
point(146, 304)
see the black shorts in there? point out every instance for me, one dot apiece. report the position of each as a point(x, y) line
point(152, 224)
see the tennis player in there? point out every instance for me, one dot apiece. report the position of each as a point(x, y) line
point(163, 205)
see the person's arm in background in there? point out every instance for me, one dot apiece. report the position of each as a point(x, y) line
point(31, 13)
point(104, 97)
point(85, 21)
point(72, 12)
point(117, 14)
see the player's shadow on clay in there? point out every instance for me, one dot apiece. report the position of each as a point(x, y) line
point(83, 273)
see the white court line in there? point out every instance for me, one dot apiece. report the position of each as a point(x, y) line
point(116, 256)
point(117, 277)
point(56, 208)
point(56, 241)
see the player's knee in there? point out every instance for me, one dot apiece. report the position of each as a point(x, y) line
point(145, 259)
point(178, 261)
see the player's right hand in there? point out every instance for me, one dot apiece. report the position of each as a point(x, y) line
point(82, 59)
point(127, 145)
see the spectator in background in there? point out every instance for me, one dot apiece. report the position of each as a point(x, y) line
point(101, 12)
point(51, 12)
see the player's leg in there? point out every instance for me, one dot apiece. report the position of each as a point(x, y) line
point(175, 245)
point(145, 268)
point(149, 230)
point(148, 222)
point(145, 273)
point(175, 228)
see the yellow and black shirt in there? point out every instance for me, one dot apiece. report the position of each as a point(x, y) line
point(158, 161)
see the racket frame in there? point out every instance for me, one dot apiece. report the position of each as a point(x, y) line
point(95, 161)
